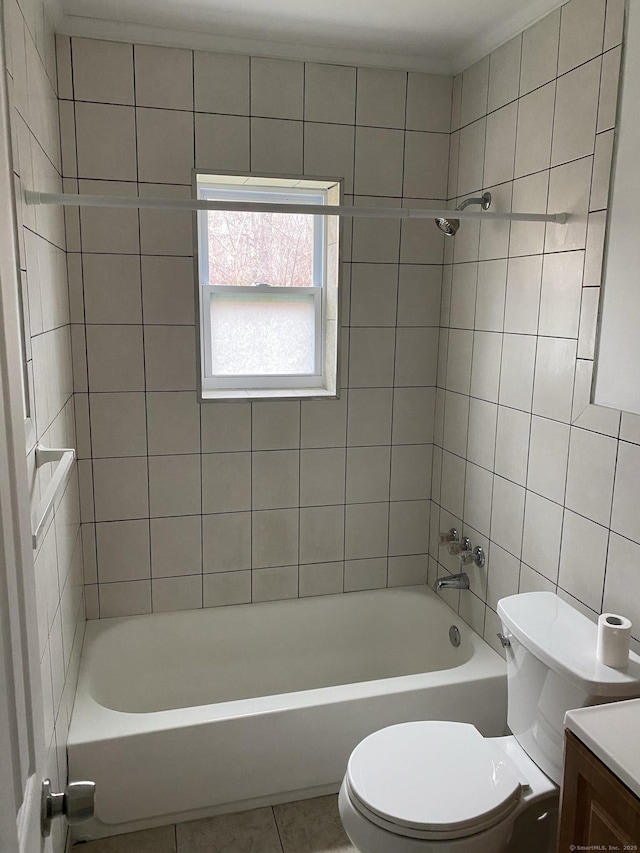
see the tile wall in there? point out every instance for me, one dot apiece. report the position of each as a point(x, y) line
point(185, 505)
point(31, 79)
point(547, 484)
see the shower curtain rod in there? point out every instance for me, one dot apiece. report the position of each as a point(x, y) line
point(78, 200)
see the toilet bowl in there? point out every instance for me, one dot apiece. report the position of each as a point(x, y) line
point(441, 787)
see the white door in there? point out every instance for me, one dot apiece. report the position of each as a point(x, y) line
point(22, 748)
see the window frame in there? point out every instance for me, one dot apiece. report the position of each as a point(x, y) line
point(266, 189)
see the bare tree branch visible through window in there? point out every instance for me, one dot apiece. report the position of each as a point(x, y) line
point(247, 248)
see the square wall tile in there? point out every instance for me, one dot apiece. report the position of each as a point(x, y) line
point(374, 290)
point(275, 476)
point(579, 576)
point(554, 375)
point(222, 142)
point(381, 97)
point(368, 473)
point(167, 291)
point(106, 142)
point(429, 102)
point(170, 594)
point(622, 565)
point(575, 113)
point(408, 571)
point(475, 91)
point(485, 370)
point(274, 584)
point(321, 579)
point(130, 598)
point(524, 278)
point(516, 377)
point(111, 285)
point(173, 422)
point(482, 432)
point(165, 146)
point(221, 82)
point(322, 476)
point(542, 535)
point(540, 53)
point(370, 412)
point(225, 426)
point(477, 498)
point(371, 357)
point(592, 462)
point(419, 291)
point(379, 160)
point(413, 415)
point(425, 165)
point(115, 359)
point(275, 426)
point(503, 575)
point(102, 71)
point(323, 422)
point(118, 424)
point(507, 515)
point(226, 542)
point(330, 93)
point(277, 88)
point(170, 358)
point(328, 151)
point(105, 229)
point(490, 296)
point(174, 485)
point(120, 488)
point(500, 146)
point(504, 74)
point(123, 551)
point(164, 77)
point(416, 359)
point(166, 232)
point(581, 32)
point(411, 472)
point(276, 146)
point(366, 530)
point(512, 444)
point(274, 538)
point(534, 130)
point(321, 534)
point(226, 482)
point(176, 546)
point(548, 458)
point(408, 527)
point(561, 294)
point(624, 517)
point(365, 574)
point(226, 588)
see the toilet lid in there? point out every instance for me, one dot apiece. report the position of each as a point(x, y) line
point(434, 777)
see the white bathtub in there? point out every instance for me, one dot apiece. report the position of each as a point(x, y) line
point(189, 714)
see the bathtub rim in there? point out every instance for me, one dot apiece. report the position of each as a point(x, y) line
point(92, 722)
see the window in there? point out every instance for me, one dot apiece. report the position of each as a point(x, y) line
point(268, 289)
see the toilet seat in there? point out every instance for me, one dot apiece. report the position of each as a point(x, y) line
point(432, 780)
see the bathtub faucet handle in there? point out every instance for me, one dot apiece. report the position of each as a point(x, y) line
point(450, 535)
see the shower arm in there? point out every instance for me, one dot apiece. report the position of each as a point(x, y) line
point(33, 197)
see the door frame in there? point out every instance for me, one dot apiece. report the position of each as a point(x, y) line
point(22, 747)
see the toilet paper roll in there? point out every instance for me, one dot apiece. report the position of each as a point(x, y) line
point(614, 635)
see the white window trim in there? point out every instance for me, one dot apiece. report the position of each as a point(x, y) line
point(298, 191)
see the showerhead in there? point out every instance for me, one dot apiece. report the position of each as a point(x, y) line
point(448, 226)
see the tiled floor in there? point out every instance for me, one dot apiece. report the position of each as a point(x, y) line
point(307, 826)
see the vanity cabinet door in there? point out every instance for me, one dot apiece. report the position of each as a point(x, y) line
point(597, 810)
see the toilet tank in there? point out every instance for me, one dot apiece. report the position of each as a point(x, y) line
point(552, 668)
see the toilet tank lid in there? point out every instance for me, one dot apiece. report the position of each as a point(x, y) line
point(565, 640)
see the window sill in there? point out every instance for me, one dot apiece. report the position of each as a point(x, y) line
point(239, 395)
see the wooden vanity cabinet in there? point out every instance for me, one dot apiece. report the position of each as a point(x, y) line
point(597, 810)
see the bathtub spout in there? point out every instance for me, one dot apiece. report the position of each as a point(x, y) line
point(460, 581)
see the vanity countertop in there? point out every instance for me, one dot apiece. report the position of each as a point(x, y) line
point(611, 732)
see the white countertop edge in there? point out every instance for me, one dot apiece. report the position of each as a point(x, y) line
point(611, 732)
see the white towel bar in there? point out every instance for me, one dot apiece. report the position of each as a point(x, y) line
point(65, 458)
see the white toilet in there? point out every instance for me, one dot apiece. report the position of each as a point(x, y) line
point(440, 787)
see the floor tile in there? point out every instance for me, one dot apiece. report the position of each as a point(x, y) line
point(162, 839)
point(245, 832)
point(312, 826)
